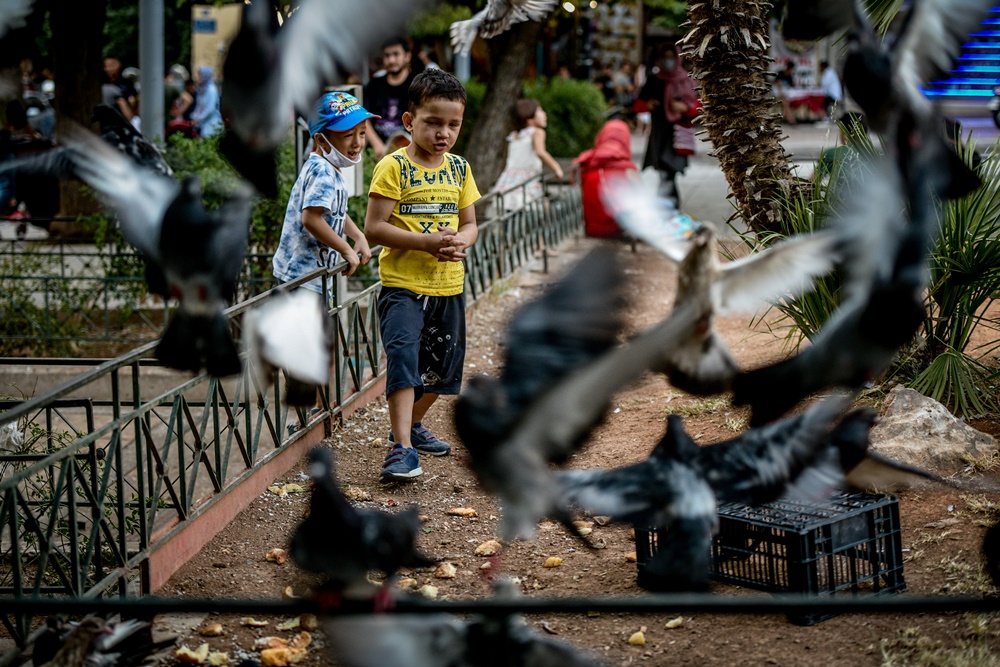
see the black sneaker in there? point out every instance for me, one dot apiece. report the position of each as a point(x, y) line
point(422, 438)
point(401, 463)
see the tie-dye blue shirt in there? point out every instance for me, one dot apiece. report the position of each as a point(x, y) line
point(318, 184)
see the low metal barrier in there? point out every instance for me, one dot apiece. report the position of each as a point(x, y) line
point(99, 474)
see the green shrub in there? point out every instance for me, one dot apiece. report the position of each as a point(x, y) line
point(576, 111)
point(475, 92)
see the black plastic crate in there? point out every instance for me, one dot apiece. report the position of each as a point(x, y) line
point(850, 544)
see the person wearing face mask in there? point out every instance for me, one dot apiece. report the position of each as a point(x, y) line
point(671, 97)
point(316, 219)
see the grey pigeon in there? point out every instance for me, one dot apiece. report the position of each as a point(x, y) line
point(497, 17)
point(272, 71)
point(574, 323)
point(651, 493)
point(291, 331)
point(192, 254)
point(342, 543)
point(118, 132)
point(703, 363)
point(666, 492)
point(882, 299)
point(14, 14)
point(443, 640)
point(810, 20)
point(96, 642)
point(886, 83)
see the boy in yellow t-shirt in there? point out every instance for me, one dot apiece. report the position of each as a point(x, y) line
point(420, 210)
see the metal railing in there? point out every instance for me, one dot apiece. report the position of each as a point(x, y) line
point(100, 472)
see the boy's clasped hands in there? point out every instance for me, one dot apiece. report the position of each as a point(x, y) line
point(448, 244)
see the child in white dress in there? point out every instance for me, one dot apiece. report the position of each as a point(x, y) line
point(526, 156)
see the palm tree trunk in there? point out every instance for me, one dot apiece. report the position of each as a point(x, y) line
point(727, 46)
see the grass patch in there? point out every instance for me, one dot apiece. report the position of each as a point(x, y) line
point(912, 647)
point(699, 406)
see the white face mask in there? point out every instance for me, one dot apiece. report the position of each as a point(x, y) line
point(335, 157)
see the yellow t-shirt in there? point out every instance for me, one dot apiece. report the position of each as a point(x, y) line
point(425, 198)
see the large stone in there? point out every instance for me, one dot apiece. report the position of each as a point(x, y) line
point(920, 431)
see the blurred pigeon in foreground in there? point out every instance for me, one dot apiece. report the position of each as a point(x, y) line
point(882, 300)
point(343, 543)
point(497, 17)
point(121, 134)
point(442, 640)
point(651, 493)
point(191, 254)
point(703, 363)
point(572, 324)
point(814, 19)
point(95, 642)
point(666, 491)
point(887, 83)
point(291, 331)
point(272, 71)
point(14, 14)
point(847, 461)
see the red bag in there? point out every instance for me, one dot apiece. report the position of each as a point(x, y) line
point(684, 138)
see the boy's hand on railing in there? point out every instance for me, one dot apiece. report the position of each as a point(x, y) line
point(363, 249)
point(353, 262)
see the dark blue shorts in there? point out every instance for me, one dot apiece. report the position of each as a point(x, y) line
point(424, 340)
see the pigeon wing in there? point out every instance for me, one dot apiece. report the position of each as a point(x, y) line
point(14, 14)
point(139, 196)
point(291, 334)
point(463, 33)
point(787, 268)
point(651, 219)
point(930, 42)
point(323, 35)
point(573, 323)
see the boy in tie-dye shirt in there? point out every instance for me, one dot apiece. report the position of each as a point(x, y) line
point(316, 219)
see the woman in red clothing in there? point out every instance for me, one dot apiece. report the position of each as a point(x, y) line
point(611, 156)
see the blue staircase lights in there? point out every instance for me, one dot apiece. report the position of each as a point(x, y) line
point(977, 71)
point(959, 93)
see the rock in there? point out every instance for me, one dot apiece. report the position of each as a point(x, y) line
point(920, 431)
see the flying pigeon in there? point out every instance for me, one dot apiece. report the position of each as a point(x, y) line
point(810, 20)
point(703, 363)
point(666, 492)
point(272, 71)
point(291, 331)
point(343, 543)
point(121, 134)
point(652, 493)
point(192, 254)
point(886, 83)
point(443, 640)
point(497, 17)
point(14, 14)
point(575, 322)
point(882, 300)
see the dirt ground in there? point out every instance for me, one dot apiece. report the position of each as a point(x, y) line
point(941, 528)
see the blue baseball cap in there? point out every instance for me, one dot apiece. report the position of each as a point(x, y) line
point(339, 112)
